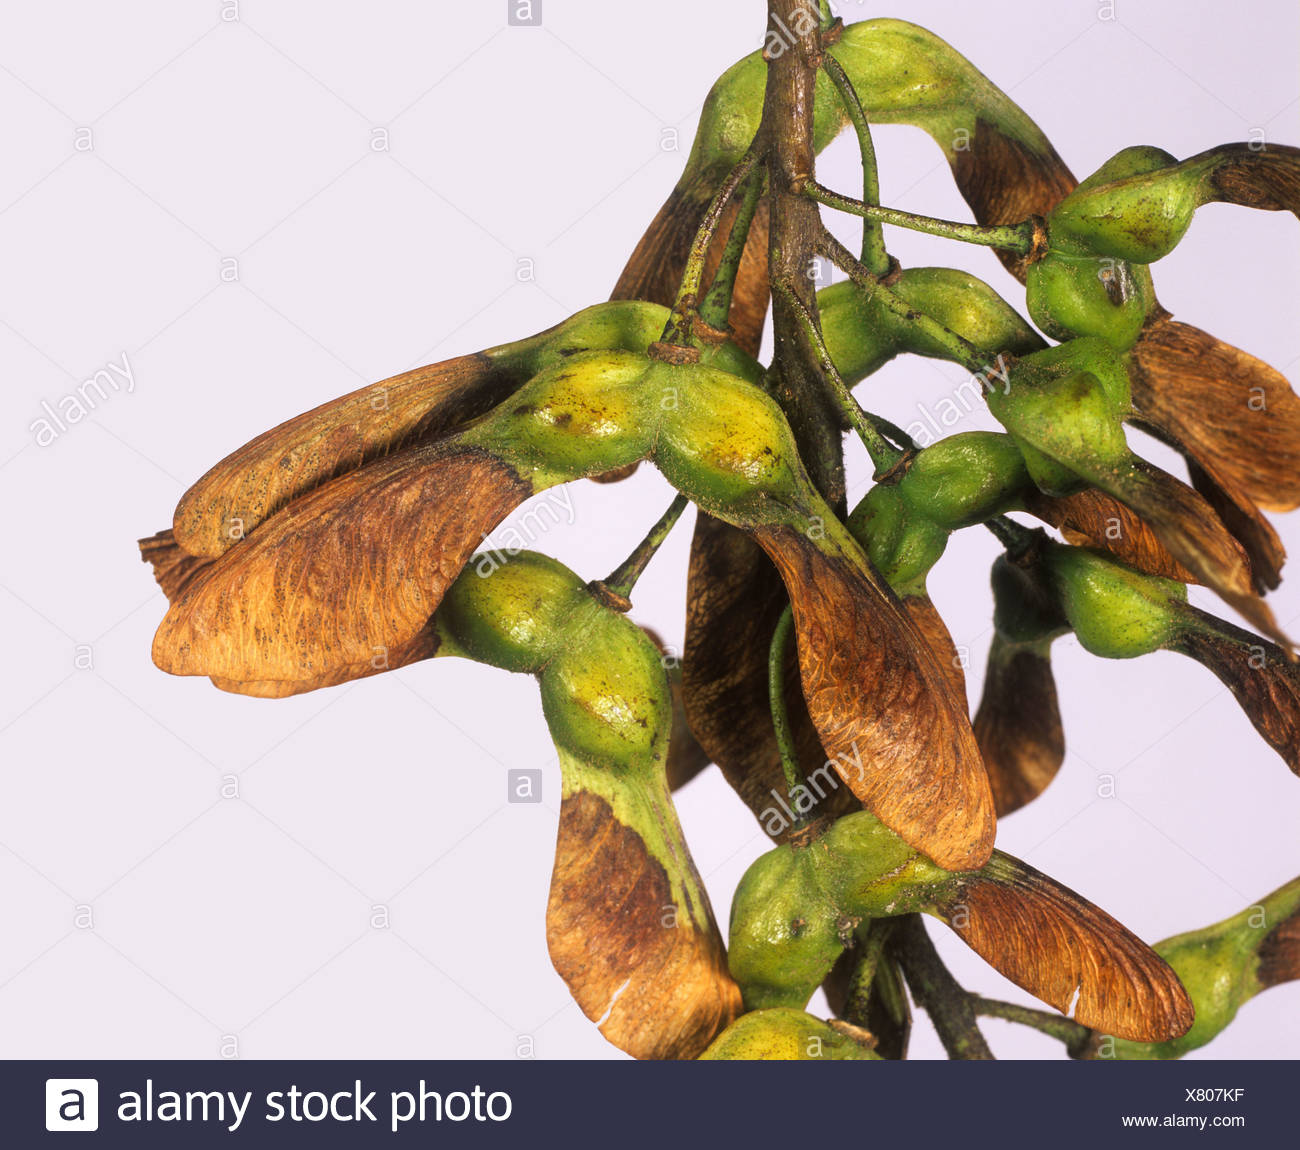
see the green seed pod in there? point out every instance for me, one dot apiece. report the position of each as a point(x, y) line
point(629, 926)
point(1065, 406)
point(870, 872)
point(605, 694)
point(1135, 160)
point(514, 619)
point(1121, 212)
point(784, 1034)
point(965, 304)
point(1071, 296)
point(593, 412)
point(1035, 931)
point(903, 543)
point(965, 479)
point(1117, 613)
point(785, 933)
point(1141, 204)
point(727, 446)
point(1223, 966)
point(862, 334)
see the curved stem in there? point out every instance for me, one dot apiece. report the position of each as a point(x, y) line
point(1017, 238)
point(776, 697)
point(883, 454)
point(677, 330)
point(717, 303)
point(621, 581)
point(958, 349)
point(874, 256)
point(1074, 1034)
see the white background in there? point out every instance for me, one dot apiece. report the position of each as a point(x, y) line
point(142, 914)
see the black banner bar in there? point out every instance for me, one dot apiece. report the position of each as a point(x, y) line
point(629, 1105)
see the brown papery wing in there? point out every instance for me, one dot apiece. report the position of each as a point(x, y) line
point(1066, 951)
point(885, 711)
point(255, 481)
point(346, 576)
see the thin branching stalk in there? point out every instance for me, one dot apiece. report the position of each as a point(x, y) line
point(717, 302)
point(624, 578)
point(781, 638)
point(1016, 238)
point(874, 256)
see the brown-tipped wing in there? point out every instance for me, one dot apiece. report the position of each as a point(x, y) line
point(255, 481)
point(342, 582)
point(1234, 413)
point(636, 961)
point(1066, 951)
point(1018, 724)
point(885, 712)
point(734, 599)
point(1092, 518)
point(1265, 683)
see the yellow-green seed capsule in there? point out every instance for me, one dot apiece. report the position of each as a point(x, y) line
point(785, 933)
point(1223, 966)
point(965, 478)
point(1122, 212)
point(903, 543)
point(1065, 406)
point(788, 1035)
point(1116, 612)
point(1071, 296)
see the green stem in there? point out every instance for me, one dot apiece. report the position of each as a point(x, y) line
point(776, 696)
point(717, 303)
point(874, 256)
point(935, 989)
point(895, 434)
point(1074, 1034)
point(864, 973)
point(677, 330)
point(1017, 238)
point(956, 347)
point(624, 577)
point(883, 454)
